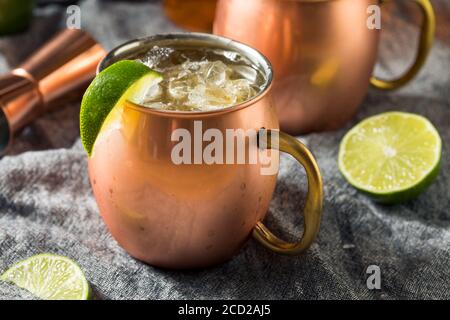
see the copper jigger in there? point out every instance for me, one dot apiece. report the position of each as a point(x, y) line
point(64, 64)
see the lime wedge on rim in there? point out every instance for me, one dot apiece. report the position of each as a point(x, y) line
point(49, 277)
point(392, 156)
point(126, 79)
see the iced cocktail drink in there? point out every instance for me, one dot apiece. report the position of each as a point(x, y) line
point(199, 211)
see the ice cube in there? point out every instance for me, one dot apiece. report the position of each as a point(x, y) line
point(230, 55)
point(216, 96)
point(241, 89)
point(156, 56)
point(215, 73)
point(191, 66)
point(153, 93)
point(196, 96)
point(246, 72)
point(203, 97)
point(179, 88)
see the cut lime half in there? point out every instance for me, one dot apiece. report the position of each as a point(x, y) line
point(126, 79)
point(49, 277)
point(392, 156)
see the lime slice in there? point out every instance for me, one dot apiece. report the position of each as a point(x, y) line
point(49, 277)
point(392, 157)
point(125, 79)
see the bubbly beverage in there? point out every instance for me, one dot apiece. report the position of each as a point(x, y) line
point(197, 79)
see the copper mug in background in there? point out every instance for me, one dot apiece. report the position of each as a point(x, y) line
point(194, 15)
point(192, 215)
point(322, 51)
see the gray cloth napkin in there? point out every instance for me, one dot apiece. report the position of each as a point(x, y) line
point(46, 203)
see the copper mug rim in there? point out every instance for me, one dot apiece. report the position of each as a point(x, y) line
point(128, 50)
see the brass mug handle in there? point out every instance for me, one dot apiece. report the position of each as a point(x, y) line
point(426, 40)
point(314, 199)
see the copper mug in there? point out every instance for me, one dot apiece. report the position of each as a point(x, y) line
point(194, 15)
point(192, 215)
point(322, 51)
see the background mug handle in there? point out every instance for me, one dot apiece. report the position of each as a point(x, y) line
point(314, 199)
point(426, 41)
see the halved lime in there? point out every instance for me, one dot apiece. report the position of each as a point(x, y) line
point(392, 156)
point(49, 277)
point(126, 79)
